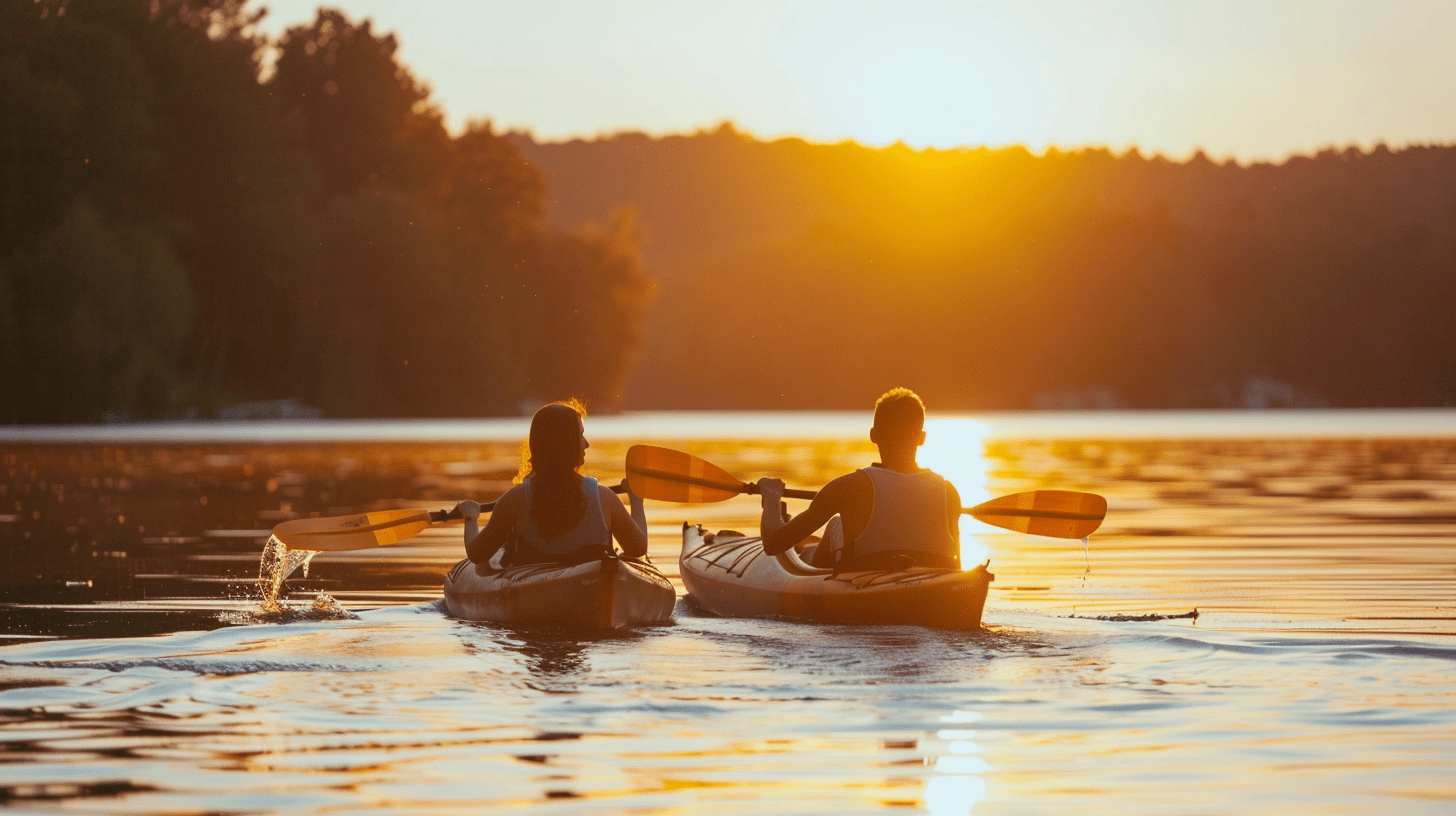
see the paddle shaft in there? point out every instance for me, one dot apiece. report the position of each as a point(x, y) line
point(1000, 515)
point(737, 487)
point(752, 489)
point(663, 474)
point(982, 510)
point(438, 516)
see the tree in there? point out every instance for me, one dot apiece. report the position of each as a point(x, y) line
point(368, 120)
point(99, 314)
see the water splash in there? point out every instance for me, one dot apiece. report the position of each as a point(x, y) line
point(277, 563)
point(324, 606)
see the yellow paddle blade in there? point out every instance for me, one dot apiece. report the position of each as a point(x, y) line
point(356, 532)
point(663, 474)
point(1055, 513)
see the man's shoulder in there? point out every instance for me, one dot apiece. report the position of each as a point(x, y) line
point(854, 477)
point(850, 486)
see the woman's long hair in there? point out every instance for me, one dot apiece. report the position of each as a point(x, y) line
point(553, 454)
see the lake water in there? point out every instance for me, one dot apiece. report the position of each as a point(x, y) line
point(1264, 624)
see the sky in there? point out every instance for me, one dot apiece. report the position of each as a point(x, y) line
point(1250, 81)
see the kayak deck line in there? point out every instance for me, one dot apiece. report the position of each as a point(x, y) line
point(739, 553)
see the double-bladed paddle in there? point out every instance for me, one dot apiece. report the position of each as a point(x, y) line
point(663, 474)
point(364, 530)
point(360, 531)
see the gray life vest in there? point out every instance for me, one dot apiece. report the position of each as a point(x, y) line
point(909, 515)
point(589, 533)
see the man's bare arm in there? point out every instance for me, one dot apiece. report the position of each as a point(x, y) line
point(825, 506)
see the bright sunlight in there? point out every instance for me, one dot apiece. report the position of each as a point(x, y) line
point(956, 449)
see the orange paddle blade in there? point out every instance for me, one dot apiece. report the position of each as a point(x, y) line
point(663, 474)
point(1055, 513)
point(356, 532)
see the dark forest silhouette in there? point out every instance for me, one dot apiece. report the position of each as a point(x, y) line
point(176, 234)
point(996, 279)
point(182, 228)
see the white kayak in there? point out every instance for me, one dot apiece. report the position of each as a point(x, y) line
point(610, 593)
point(730, 575)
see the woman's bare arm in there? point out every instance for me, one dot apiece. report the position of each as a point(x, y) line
point(629, 529)
point(498, 529)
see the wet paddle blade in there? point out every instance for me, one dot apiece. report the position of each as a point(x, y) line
point(663, 474)
point(357, 532)
point(1055, 513)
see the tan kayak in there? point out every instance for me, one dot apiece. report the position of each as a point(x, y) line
point(729, 574)
point(611, 593)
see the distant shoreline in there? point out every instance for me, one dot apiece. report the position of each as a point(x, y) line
point(1343, 423)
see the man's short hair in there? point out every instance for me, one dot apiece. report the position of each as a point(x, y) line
point(899, 414)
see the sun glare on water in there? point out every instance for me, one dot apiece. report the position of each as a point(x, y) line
point(956, 449)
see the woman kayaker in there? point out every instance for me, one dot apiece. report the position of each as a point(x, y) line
point(554, 514)
point(892, 513)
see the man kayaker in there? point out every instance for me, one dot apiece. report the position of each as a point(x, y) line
point(889, 514)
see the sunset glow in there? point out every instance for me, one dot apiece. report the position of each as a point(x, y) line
point(1240, 79)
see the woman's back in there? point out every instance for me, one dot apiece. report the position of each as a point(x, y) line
point(555, 513)
point(589, 538)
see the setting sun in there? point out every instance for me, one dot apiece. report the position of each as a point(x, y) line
point(955, 448)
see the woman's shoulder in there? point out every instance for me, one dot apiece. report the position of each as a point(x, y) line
point(607, 494)
point(602, 490)
point(513, 497)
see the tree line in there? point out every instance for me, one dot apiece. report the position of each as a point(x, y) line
point(798, 275)
point(192, 215)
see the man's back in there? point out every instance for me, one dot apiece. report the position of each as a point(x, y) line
point(910, 511)
point(907, 517)
point(910, 514)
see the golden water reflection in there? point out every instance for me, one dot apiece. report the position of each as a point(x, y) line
point(959, 782)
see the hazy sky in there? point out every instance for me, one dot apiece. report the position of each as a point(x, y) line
point(1252, 80)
